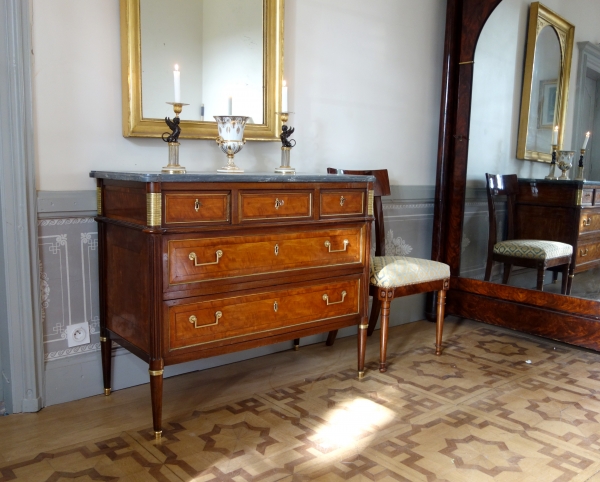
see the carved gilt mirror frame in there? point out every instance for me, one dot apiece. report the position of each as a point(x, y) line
point(135, 125)
point(567, 319)
point(539, 18)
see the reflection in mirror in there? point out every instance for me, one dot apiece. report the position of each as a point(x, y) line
point(218, 46)
point(545, 83)
point(560, 211)
point(544, 90)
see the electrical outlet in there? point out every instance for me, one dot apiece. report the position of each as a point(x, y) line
point(78, 334)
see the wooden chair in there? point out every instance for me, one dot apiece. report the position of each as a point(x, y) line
point(529, 253)
point(395, 276)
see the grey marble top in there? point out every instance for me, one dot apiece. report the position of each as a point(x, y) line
point(156, 176)
point(559, 181)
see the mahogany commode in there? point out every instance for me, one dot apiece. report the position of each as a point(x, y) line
point(198, 265)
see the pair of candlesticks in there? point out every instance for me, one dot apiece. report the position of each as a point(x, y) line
point(564, 161)
point(230, 140)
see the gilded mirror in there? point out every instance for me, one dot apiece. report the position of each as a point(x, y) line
point(545, 83)
point(229, 58)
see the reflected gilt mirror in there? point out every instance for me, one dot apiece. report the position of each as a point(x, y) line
point(545, 83)
point(229, 55)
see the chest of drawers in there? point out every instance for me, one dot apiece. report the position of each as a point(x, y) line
point(197, 265)
point(565, 211)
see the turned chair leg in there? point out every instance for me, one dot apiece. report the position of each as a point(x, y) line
point(374, 316)
point(565, 279)
point(541, 274)
point(439, 322)
point(331, 338)
point(506, 274)
point(385, 323)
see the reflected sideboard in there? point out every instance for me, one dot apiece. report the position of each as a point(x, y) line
point(198, 265)
point(565, 211)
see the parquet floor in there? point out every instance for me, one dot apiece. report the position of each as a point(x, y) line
point(497, 405)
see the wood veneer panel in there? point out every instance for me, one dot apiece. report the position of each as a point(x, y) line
point(126, 285)
point(572, 329)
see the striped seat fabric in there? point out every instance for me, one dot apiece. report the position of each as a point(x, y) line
point(395, 271)
point(533, 249)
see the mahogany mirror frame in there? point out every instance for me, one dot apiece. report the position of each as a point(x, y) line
point(571, 320)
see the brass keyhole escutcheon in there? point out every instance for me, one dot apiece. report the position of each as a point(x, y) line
point(275, 307)
point(278, 203)
point(276, 249)
point(342, 200)
point(197, 205)
point(587, 221)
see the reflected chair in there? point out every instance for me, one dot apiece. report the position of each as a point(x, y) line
point(395, 276)
point(529, 253)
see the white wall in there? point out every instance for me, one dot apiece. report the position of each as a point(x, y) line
point(497, 84)
point(364, 82)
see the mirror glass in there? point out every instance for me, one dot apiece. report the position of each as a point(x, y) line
point(493, 137)
point(218, 48)
point(544, 90)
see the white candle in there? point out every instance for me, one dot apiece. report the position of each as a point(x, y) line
point(230, 105)
point(177, 83)
point(284, 98)
point(585, 141)
point(555, 136)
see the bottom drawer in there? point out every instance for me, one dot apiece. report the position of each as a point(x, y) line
point(587, 253)
point(229, 318)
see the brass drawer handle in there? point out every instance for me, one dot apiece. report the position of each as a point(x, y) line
point(583, 253)
point(342, 200)
point(275, 307)
point(326, 298)
point(194, 258)
point(328, 246)
point(194, 320)
point(278, 202)
point(197, 205)
point(587, 222)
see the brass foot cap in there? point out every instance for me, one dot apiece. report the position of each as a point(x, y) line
point(382, 368)
point(361, 375)
point(158, 435)
point(296, 347)
point(107, 392)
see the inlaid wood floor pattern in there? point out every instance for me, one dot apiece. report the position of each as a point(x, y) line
point(496, 406)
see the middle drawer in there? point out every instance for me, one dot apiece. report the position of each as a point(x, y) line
point(195, 260)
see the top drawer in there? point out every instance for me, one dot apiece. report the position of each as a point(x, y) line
point(202, 207)
point(342, 203)
point(275, 205)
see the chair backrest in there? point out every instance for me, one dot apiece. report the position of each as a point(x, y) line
point(381, 188)
point(501, 185)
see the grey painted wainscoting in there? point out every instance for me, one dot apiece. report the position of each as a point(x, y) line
point(68, 242)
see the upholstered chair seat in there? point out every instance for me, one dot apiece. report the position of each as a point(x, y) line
point(396, 271)
point(533, 249)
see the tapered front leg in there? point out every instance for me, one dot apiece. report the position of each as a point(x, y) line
point(105, 350)
point(439, 323)
point(362, 346)
point(156, 391)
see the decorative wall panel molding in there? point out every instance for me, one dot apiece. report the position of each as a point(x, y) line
point(68, 251)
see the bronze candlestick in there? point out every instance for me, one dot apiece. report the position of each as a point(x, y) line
point(173, 140)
